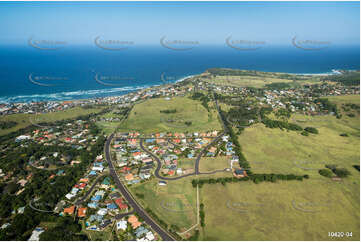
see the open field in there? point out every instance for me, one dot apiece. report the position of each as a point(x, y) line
point(107, 126)
point(25, 120)
point(186, 163)
point(208, 164)
point(247, 81)
point(291, 210)
point(147, 118)
point(345, 99)
point(174, 203)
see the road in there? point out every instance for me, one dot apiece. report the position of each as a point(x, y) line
point(81, 200)
point(196, 166)
point(127, 195)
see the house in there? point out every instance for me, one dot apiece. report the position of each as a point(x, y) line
point(59, 206)
point(162, 183)
point(22, 182)
point(129, 177)
point(69, 196)
point(122, 224)
point(120, 203)
point(111, 206)
point(179, 171)
point(150, 236)
point(133, 220)
point(98, 168)
point(104, 223)
point(213, 150)
point(114, 195)
point(21, 210)
point(93, 205)
point(239, 172)
point(140, 231)
point(60, 172)
point(69, 210)
point(81, 212)
point(102, 211)
point(96, 198)
point(92, 173)
point(36, 234)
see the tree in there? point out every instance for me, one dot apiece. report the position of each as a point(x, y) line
point(341, 172)
point(311, 130)
point(325, 172)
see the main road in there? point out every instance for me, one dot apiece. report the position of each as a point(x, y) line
point(128, 196)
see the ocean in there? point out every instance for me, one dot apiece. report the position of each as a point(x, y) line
point(28, 74)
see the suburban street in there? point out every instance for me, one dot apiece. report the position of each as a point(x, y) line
point(127, 195)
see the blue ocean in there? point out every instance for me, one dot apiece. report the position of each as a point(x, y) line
point(28, 74)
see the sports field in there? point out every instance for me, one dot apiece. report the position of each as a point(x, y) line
point(189, 115)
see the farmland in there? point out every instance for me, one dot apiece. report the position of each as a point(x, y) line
point(189, 115)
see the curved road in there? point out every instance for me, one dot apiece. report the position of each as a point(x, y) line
point(196, 167)
point(137, 208)
point(81, 200)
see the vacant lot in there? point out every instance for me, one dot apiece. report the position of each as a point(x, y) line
point(174, 203)
point(109, 126)
point(189, 115)
point(25, 120)
point(208, 164)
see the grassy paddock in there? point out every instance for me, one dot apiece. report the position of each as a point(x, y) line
point(147, 118)
point(282, 211)
point(174, 203)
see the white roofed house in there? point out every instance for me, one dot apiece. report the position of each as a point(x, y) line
point(122, 224)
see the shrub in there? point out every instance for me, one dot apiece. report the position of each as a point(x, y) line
point(304, 133)
point(325, 172)
point(311, 130)
point(341, 172)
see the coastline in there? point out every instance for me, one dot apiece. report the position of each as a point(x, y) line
point(71, 95)
point(107, 93)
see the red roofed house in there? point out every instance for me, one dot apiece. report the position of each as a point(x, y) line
point(121, 205)
point(81, 212)
point(69, 210)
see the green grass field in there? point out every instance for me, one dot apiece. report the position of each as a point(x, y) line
point(281, 211)
point(247, 81)
point(291, 210)
point(146, 117)
point(208, 164)
point(25, 120)
point(109, 127)
point(174, 203)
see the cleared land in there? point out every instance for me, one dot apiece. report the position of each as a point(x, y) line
point(208, 164)
point(247, 81)
point(174, 203)
point(107, 126)
point(24, 120)
point(292, 210)
point(146, 117)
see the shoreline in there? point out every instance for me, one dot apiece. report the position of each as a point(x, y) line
point(70, 95)
point(63, 95)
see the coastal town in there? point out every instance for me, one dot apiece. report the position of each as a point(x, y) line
point(100, 195)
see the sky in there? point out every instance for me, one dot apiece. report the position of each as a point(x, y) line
point(208, 23)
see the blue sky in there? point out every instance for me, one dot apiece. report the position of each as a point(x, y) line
point(205, 22)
